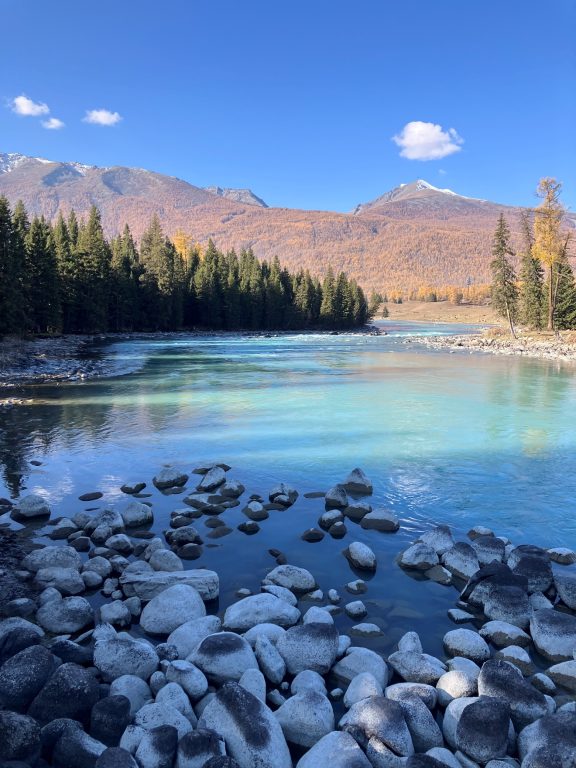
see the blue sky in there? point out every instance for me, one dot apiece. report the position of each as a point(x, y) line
point(300, 100)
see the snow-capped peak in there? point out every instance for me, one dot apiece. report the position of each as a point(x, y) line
point(421, 184)
point(9, 161)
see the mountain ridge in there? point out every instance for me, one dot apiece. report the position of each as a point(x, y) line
point(413, 235)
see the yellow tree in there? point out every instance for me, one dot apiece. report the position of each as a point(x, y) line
point(182, 243)
point(547, 236)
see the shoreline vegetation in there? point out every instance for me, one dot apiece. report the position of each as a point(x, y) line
point(68, 278)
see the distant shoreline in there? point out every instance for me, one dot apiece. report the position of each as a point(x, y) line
point(561, 349)
point(442, 312)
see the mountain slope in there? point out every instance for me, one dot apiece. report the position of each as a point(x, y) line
point(414, 235)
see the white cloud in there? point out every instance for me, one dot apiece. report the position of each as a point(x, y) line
point(24, 106)
point(427, 141)
point(53, 124)
point(102, 117)
point(442, 172)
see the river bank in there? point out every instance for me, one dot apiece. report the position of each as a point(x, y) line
point(129, 655)
point(543, 346)
point(443, 312)
point(79, 357)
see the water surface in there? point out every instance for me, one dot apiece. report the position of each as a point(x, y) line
point(446, 437)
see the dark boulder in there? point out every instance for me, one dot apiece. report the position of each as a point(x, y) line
point(71, 692)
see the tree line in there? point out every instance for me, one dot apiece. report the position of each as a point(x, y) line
point(68, 277)
point(542, 294)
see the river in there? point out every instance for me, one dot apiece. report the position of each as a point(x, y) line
point(453, 438)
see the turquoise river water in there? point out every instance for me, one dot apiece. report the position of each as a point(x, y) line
point(454, 438)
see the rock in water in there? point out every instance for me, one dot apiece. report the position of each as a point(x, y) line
point(31, 506)
point(136, 514)
point(361, 556)
point(358, 483)
point(260, 609)
point(252, 734)
point(212, 479)
point(298, 580)
point(336, 750)
point(170, 478)
point(171, 608)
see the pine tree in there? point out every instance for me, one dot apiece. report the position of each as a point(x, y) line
point(531, 294)
point(328, 305)
point(504, 290)
point(93, 259)
point(20, 227)
point(126, 272)
point(8, 307)
point(564, 291)
point(42, 284)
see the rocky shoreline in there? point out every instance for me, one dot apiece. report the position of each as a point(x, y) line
point(526, 346)
point(77, 358)
point(118, 654)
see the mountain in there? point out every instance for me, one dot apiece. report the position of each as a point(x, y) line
point(414, 235)
point(237, 195)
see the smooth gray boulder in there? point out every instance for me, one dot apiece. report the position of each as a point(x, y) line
point(424, 729)
point(466, 643)
point(305, 718)
point(154, 715)
point(24, 675)
point(564, 674)
point(417, 667)
point(359, 660)
point(116, 655)
point(147, 584)
point(260, 609)
point(196, 748)
point(157, 748)
point(188, 676)
point(136, 690)
point(401, 691)
point(383, 520)
point(172, 608)
point(489, 549)
point(439, 538)
point(361, 556)
point(461, 560)
point(252, 734)
point(66, 580)
point(136, 514)
point(172, 694)
point(283, 494)
point(500, 680)
point(298, 580)
point(31, 506)
point(335, 750)
point(483, 728)
point(336, 498)
point(188, 636)
point(554, 634)
point(224, 656)
point(19, 739)
point(214, 478)
point(362, 686)
point(66, 616)
point(309, 646)
point(552, 738)
point(52, 557)
point(271, 662)
point(358, 483)
point(501, 634)
point(566, 588)
point(382, 719)
point(70, 692)
point(170, 477)
point(419, 557)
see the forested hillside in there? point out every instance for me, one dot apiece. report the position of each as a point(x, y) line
point(69, 277)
